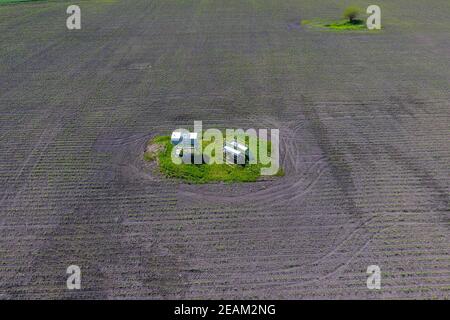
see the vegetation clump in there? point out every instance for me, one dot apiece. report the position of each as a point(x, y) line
point(14, 1)
point(160, 149)
point(347, 25)
point(351, 13)
point(350, 21)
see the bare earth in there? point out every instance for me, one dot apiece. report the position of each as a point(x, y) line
point(364, 121)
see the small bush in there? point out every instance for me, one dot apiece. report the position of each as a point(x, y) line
point(351, 13)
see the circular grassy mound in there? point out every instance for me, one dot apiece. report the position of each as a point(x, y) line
point(160, 148)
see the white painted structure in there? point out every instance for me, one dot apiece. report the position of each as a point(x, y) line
point(237, 153)
point(233, 156)
point(185, 139)
point(234, 152)
point(175, 138)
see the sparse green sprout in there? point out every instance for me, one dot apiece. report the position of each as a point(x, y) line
point(351, 13)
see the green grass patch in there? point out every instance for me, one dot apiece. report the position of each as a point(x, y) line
point(340, 25)
point(150, 156)
point(160, 149)
point(347, 25)
point(15, 1)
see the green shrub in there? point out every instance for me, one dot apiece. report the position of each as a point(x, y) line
point(351, 13)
